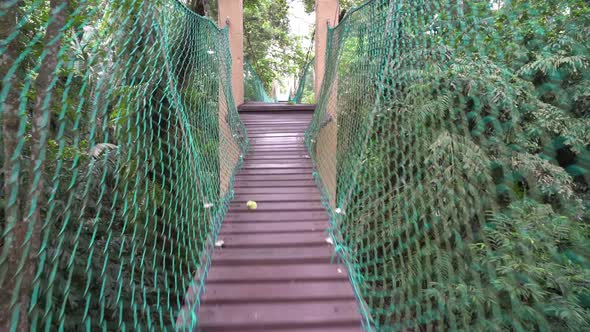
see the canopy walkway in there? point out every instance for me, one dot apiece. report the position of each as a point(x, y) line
point(442, 182)
point(272, 268)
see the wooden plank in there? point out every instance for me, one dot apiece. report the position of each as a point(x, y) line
point(275, 140)
point(263, 129)
point(254, 119)
point(260, 158)
point(278, 206)
point(260, 117)
point(288, 122)
point(272, 227)
point(268, 126)
point(269, 149)
point(276, 135)
point(258, 155)
point(279, 314)
point(274, 271)
point(276, 171)
point(276, 190)
point(245, 183)
point(279, 272)
point(254, 151)
point(279, 163)
point(287, 119)
point(352, 327)
point(275, 107)
point(253, 116)
point(296, 142)
point(284, 116)
point(268, 256)
point(273, 177)
point(255, 145)
point(275, 216)
point(250, 292)
point(274, 240)
point(279, 147)
point(284, 197)
point(272, 125)
point(275, 115)
point(279, 130)
point(283, 164)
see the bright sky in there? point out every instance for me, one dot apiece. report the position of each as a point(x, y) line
point(300, 23)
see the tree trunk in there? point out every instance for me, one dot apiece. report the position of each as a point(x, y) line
point(10, 126)
point(18, 248)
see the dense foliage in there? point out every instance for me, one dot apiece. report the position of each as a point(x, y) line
point(469, 207)
point(344, 4)
point(269, 47)
point(130, 155)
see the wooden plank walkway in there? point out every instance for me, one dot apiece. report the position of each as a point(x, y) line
point(273, 107)
point(273, 272)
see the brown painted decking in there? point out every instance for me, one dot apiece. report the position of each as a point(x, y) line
point(274, 272)
point(274, 107)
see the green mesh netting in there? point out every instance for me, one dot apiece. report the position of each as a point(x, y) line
point(120, 142)
point(451, 143)
point(305, 87)
point(253, 87)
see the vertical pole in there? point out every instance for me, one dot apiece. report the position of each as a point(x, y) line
point(326, 12)
point(230, 15)
point(232, 11)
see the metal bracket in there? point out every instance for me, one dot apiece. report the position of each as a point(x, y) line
point(227, 20)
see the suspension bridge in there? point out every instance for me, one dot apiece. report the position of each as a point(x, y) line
point(440, 182)
point(274, 267)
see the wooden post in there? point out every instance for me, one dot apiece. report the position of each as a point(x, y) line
point(231, 11)
point(230, 15)
point(326, 12)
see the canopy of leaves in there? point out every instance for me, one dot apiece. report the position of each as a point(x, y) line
point(267, 44)
point(117, 141)
point(471, 204)
point(309, 5)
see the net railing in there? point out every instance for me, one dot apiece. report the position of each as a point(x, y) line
point(253, 87)
point(305, 87)
point(120, 140)
point(451, 143)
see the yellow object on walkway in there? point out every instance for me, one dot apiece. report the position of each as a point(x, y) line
point(251, 205)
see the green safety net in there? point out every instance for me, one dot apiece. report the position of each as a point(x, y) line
point(305, 87)
point(120, 140)
point(451, 143)
point(253, 87)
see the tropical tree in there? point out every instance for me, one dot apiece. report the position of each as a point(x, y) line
point(267, 44)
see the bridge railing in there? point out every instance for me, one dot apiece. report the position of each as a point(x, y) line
point(450, 142)
point(120, 142)
point(253, 87)
point(305, 93)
